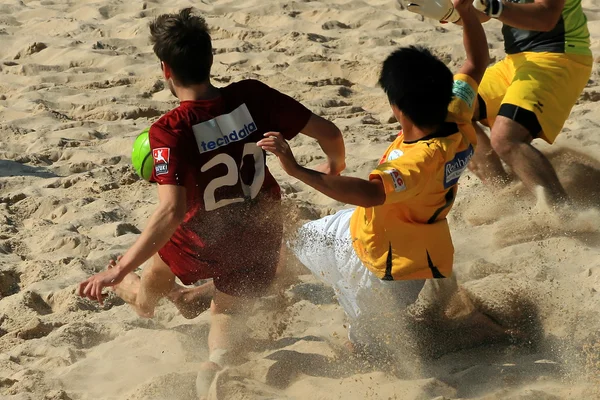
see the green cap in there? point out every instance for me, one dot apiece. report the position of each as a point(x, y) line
point(141, 156)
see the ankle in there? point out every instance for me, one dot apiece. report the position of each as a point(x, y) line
point(220, 357)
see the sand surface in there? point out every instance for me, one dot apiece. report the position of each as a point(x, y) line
point(80, 81)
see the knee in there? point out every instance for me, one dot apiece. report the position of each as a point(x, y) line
point(224, 310)
point(502, 145)
point(507, 136)
point(154, 274)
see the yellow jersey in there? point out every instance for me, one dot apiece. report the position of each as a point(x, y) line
point(408, 236)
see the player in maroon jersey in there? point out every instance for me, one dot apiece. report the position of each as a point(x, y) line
point(219, 213)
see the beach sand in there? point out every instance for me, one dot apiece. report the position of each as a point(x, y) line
point(80, 81)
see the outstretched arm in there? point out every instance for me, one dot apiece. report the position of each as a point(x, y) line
point(161, 226)
point(540, 15)
point(349, 190)
point(474, 41)
point(346, 189)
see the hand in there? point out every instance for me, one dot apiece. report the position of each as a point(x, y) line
point(439, 10)
point(93, 286)
point(276, 144)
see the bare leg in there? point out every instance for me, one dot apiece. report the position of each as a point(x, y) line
point(485, 163)
point(228, 315)
point(512, 142)
point(227, 312)
point(192, 301)
point(143, 294)
point(128, 288)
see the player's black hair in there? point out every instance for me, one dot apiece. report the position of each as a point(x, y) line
point(418, 84)
point(182, 41)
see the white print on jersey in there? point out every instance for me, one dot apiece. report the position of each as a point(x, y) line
point(394, 154)
point(224, 129)
point(233, 177)
point(396, 179)
point(454, 168)
point(161, 155)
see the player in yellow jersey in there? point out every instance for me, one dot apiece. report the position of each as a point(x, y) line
point(396, 244)
point(530, 93)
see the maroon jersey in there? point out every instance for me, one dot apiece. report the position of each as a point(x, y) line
point(209, 146)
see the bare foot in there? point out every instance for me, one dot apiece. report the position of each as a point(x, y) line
point(128, 288)
point(192, 302)
point(206, 375)
point(483, 329)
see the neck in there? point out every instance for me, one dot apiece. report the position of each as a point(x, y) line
point(413, 133)
point(202, 91)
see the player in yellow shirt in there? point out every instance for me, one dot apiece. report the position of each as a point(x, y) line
point(530, 93)
point(380, 255)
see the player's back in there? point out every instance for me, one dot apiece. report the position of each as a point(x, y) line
point(408, 236)
point(209, 147)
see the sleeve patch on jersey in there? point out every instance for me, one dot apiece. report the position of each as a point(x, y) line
point(161, 169)
point(464, 91)
point(396, 179)
point(161, 157)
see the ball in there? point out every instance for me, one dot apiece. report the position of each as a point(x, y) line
point(141, 156)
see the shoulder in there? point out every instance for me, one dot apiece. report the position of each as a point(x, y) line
point(166, 126)
point(247, 85)
point(432, 152)
point(456, 146)
point(173, 117)
point(423, 153)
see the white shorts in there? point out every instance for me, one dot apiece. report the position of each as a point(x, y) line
point(324, 246)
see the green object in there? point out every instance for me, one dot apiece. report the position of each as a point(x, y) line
point(570, 34)
point(141, 156)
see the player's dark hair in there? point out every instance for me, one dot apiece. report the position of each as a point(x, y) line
point(182, 42)
point(418, 84)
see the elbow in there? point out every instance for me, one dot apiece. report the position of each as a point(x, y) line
point(372, 201)
point(549, 22)
point(331, 131)
point(334, 148)
point(545, 26)
point(368, 204)
point(335, 134)
point(476, 69)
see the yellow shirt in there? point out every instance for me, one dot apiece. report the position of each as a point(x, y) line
point(408, 236)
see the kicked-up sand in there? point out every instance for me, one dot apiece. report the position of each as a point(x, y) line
point(79, 81)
